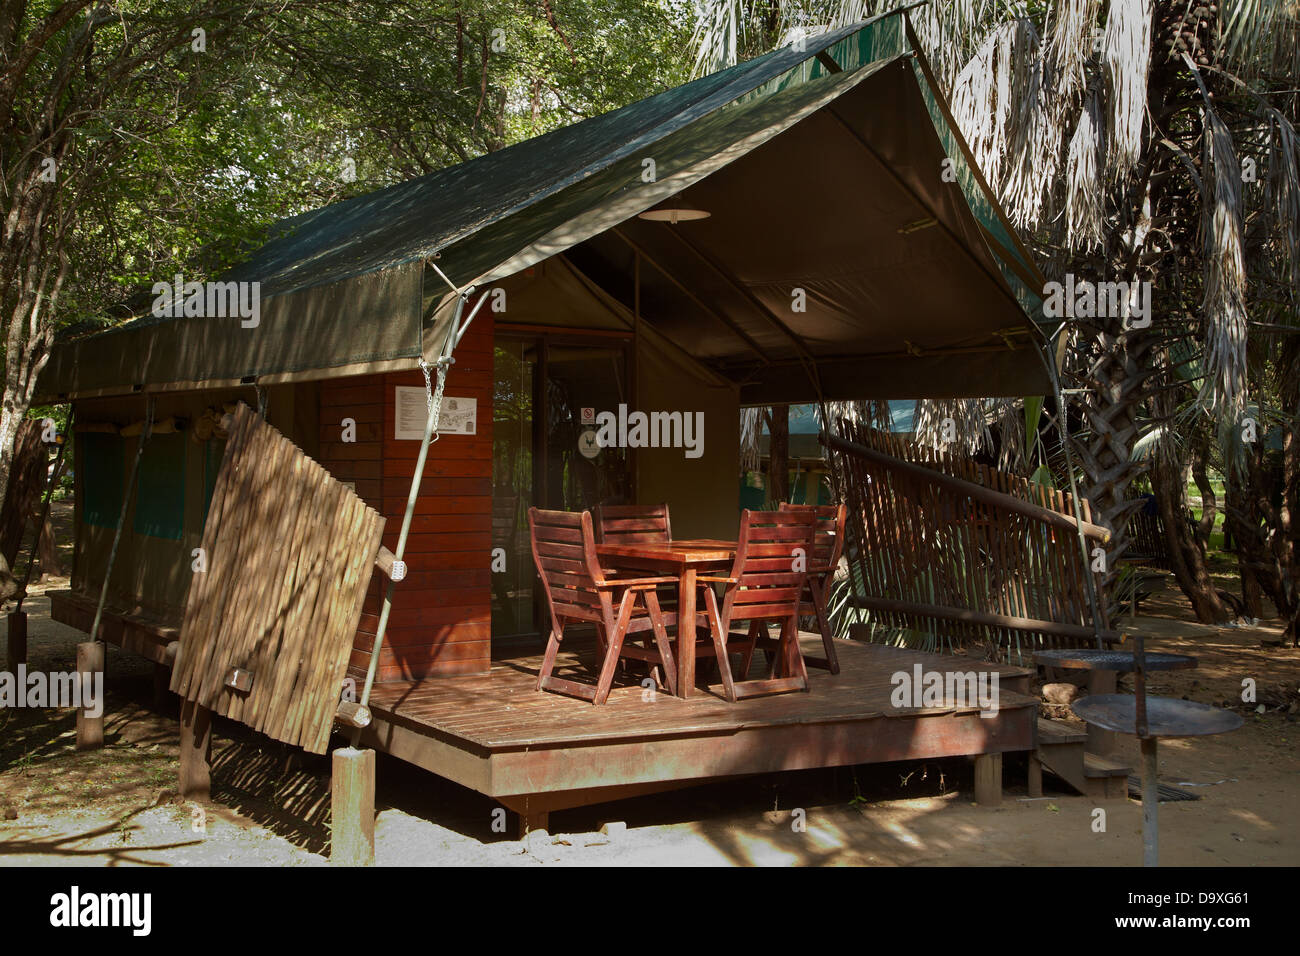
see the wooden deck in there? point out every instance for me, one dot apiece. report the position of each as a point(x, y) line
point(538, 752)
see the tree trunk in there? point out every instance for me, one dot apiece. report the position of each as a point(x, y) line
point(1186, 553)
point(1248, 545)
point(1115, 390)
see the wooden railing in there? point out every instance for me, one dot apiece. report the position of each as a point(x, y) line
point(962, 550)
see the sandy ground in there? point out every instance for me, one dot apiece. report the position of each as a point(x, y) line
point(117, 806)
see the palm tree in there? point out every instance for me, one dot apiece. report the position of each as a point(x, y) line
point(1127, 140)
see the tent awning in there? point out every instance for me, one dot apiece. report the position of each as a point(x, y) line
point(839, 259)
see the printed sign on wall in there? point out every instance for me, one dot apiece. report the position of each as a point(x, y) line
point(459, 416)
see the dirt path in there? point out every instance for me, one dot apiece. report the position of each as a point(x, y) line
point(117, 806)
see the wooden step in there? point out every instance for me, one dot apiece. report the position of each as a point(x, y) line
point(1095, 765)
point(1104, 778)
point(1062, 750)
point(1051, 732)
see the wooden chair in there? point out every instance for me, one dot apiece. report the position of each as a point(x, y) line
point(822, 562)
point(635, 524)
point(632, 524)
point(578, 589)
point(765, 584)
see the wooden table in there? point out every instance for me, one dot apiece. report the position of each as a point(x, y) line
point(685, 559)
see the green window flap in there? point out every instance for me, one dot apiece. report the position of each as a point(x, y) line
point(99, 456)
point(160, 495)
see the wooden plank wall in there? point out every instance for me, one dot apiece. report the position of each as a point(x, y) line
point(441, 618)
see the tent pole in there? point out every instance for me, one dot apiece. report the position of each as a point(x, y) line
point(121, 518)
point(445, 360)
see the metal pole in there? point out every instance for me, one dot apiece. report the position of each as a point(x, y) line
point(121, 518)
point(445, 359)
point(45, 513)
point(1150, 803)
point(1148, 745)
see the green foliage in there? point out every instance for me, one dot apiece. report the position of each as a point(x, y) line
point(184, 163)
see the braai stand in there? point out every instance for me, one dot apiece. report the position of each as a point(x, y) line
point(1149, 719)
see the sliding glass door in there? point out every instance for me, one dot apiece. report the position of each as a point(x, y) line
point(548, 389)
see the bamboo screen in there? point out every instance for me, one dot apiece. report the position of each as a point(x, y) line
point(962, 550)
point(289, 552)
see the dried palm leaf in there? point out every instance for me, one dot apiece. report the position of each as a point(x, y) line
point(1083, 186)
point(1223, 306)
point(955, 427)
point(1070, 38)
point(1126, 53)
point(751, 428)
point(1282, 193)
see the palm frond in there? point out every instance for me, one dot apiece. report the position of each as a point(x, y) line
point(1223, 392)
point(1012, 444)
point(1261, 38)
point(720, 27)
point(1083, 202)
point(1282, 193)
point(986, 94)
point(751, 428)
point(1070, 38)
point(968, 431)
point(1126, 53)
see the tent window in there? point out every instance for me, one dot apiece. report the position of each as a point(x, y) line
point(99, 456)
point(160, 497)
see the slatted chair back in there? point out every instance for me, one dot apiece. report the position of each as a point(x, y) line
point(773, 555)
point(564, 551)
point(632, 524)
point(828, 544)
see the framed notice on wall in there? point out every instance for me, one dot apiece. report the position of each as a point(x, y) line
point(459, 416)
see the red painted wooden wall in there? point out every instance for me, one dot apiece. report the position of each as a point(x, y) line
point(441, 618)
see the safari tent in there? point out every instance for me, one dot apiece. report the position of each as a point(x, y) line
point(850, 250)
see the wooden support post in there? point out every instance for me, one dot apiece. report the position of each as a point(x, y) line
point(17, 651)
point(352, 808)
point(988, 779)
point(1035, 782)
point(196, 751)
point(90, 670)
point(1100, 742)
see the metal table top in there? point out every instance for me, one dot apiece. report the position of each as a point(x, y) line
point(1083, 658)
point(1166, 716)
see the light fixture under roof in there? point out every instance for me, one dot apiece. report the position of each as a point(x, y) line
point(674, 214)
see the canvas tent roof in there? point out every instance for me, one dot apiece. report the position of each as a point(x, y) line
point(821, 167)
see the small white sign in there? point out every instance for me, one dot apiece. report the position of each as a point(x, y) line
point(459, 416)
point(588, 416)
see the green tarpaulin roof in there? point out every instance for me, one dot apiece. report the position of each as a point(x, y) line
point(821, 168)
